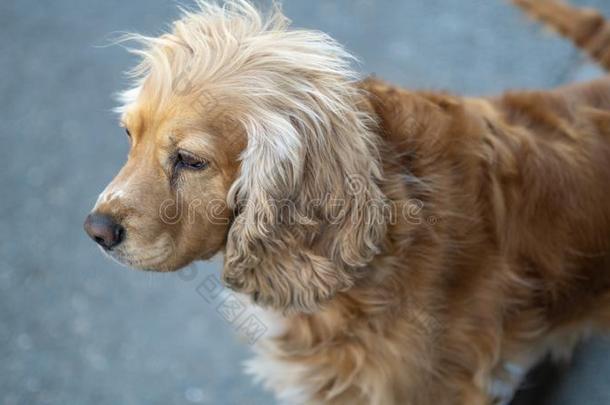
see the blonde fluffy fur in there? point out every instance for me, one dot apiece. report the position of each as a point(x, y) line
point(415, 247)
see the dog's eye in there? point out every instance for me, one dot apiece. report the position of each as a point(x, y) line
point(127, 132)
point(188, 161)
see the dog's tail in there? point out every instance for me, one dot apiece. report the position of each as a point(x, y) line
point(586, 27)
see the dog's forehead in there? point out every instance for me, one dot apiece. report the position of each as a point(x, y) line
point(144, 120)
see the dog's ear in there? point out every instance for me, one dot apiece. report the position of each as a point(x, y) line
point(310, 213)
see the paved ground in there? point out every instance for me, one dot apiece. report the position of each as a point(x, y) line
point(77, 329)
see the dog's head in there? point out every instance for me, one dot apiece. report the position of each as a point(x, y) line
point(250, 138)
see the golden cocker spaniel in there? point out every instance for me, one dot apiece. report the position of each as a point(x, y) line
point(411, 247)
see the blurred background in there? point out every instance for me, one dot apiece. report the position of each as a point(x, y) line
point(77, 329)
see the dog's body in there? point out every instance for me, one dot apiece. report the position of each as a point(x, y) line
point(473, 239)
point(507, 260)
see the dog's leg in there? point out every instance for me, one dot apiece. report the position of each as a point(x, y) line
point(586, 27)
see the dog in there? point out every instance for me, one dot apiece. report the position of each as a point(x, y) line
point(409, 247)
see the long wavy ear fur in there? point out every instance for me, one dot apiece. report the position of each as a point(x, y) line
point(308, 221)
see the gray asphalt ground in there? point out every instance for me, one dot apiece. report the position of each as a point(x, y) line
point(76, 328)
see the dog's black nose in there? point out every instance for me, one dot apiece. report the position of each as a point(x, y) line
point(103, 230)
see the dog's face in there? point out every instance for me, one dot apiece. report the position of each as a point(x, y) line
point(166, 207)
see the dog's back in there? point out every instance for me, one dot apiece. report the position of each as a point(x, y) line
point(553, 171)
